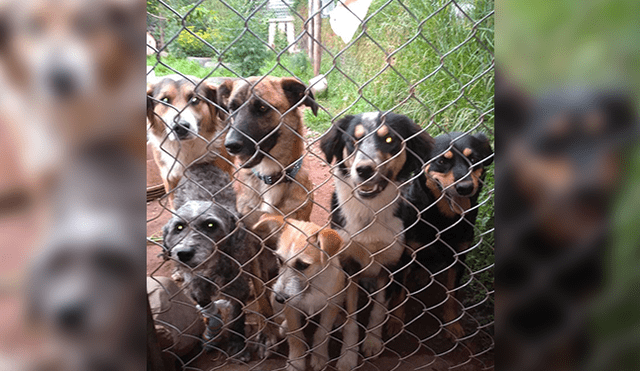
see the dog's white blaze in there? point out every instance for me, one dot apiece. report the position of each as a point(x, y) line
point(370, 116)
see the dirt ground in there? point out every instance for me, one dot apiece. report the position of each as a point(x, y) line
point(404, 352)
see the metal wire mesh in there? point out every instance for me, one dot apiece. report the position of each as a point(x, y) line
point(431, 62)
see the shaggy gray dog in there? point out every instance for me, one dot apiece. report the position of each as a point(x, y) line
point(213, 252)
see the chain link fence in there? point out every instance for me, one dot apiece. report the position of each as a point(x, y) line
point(251, 130)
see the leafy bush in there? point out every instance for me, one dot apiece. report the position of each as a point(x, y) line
point(194, 47)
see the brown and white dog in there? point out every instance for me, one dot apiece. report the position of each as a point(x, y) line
point(310, 281)
point(266, 136)
point(184, 127)
point(374, 154)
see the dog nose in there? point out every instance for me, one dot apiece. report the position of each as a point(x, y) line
point(186, 255)
point(364, 172)
point(280, 298)
point(62, 83)
point(233, 146)
point(182, 129)
point(464, 188)
point(71, 317)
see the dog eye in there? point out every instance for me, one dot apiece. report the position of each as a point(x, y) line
point(165, 100)
point(300, 265)
point(262, 108)
point(440, 161)
point(389, 140)
point(211, 225)
point(194, 100)
point(179, 227)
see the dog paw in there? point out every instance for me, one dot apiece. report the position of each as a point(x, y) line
point(371, 346)
point(236, 349)
point(177, 277)
point(454, 331)
point(296, 365)
point(394, 327)
point(318, 361)
point(347, 362)
point(266, 340)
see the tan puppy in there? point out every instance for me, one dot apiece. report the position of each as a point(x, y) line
point(266, 136)
point(310, 281)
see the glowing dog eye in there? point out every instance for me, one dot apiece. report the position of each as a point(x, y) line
point(195, 100)
point(389, 140)
point(210, 225)
point(179, 227)
point(165, 100)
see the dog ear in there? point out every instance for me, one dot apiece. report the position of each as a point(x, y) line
point(269, 228)
point(209, 90)
point(223, 94)
point(332, 142)
point(294, 90)
point(486, 149)
point(418, 149)
point(330, 242)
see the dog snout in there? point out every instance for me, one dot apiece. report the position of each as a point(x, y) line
point(365, 171)
point(464, 188)
point(233, 142)
point(181, 128)
point(281, 298)
point(71, 317)
point(62, 82)
point(185, 255)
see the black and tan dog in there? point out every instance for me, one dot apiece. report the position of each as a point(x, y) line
point(184, 127)
point(374, 154)
point(446, 195)
point(266, 136)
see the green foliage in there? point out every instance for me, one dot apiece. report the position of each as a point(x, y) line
point(194, 46)
point(212, 29)
point(280, 41)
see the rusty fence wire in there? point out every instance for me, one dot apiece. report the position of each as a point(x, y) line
point(300, 214)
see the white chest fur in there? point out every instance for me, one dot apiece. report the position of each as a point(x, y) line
point(372, 224)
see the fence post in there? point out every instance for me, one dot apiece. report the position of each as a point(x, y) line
point(317, 32)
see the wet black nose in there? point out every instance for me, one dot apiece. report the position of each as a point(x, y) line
point(464, 188)
point(71, 317)
point(233, 146)
point(365, 172)
point(62, 83)
point(280, 298)
point(182, 129)
point(186, 255)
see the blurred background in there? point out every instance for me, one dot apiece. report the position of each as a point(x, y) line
point(72, 209)
point(567, 175)
point(72, 80)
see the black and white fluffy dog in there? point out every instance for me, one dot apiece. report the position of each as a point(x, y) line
point(375, 153)
point(215, 254)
